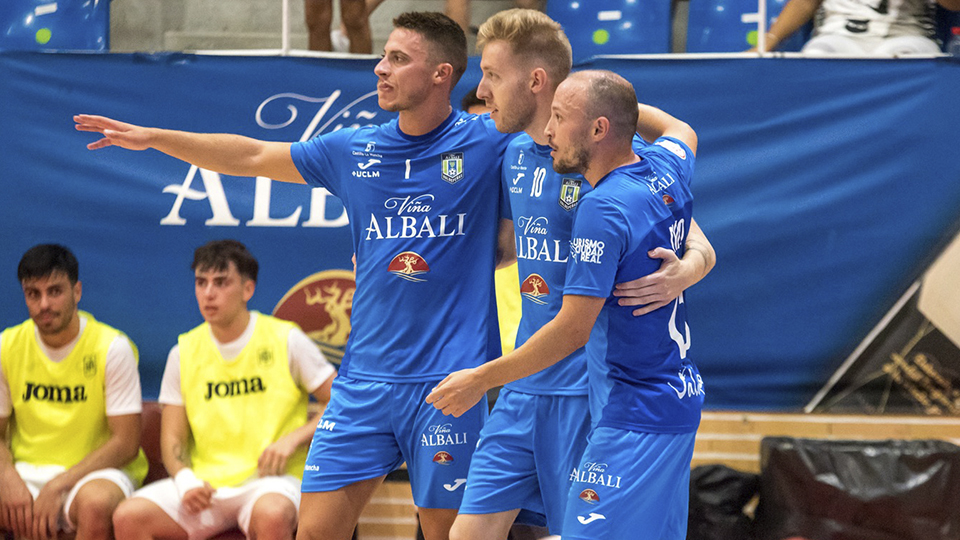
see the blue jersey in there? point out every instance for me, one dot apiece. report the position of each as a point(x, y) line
point(423, 213)
point(642, 377)
point(542, 203)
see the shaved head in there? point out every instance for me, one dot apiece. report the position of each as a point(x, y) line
point(611, 96)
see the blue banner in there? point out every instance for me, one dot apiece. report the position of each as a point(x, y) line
point(826, 187)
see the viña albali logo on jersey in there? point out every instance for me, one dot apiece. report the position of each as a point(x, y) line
point(533, 242)
point(414, 218)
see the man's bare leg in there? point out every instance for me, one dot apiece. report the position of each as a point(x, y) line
point(483, 526)
point(333, 515)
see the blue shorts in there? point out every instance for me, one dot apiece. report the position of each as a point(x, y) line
point(370, 428)
point(631, 485)
point(526, 454)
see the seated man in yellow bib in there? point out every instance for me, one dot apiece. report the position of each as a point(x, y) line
point(234, 429)
point(69, 409)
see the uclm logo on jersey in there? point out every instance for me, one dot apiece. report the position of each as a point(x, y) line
point(442, 458)
point(534, 288)
point(321, 304)
point(589, 496)
point(408, 265)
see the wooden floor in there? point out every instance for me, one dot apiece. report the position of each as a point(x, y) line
point(730, 438)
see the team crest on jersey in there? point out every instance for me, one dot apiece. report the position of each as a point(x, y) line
point(321, 304)
point(408, 265)
point(569, 193)
point(90, 366)
point(265, 357)
point(589, 496)
point(451, 167)
point(442, 458)
point(534, 288)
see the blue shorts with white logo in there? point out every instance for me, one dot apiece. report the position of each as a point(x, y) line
point(526, 454)
point(631, 485)
point(370, 428)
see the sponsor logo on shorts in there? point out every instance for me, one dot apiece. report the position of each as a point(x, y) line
point(589, 496)
point(593, 517)
point(442, 435)
point(408, 265)
point(534, 288)
point(442, 458)
point(313, 468)
point(455, 485)
point(326, 425)
point(597, 474)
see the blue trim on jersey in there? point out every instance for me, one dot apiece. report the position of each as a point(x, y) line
point(643, 367)
point(423, 214)
point(542, 203)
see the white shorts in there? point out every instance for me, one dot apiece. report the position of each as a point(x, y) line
point(230, 507)
point(37, 476)
point(828, 44)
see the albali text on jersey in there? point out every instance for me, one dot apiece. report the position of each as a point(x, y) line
point(424, 213)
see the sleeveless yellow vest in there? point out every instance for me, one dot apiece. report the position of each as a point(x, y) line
point(239, 407)
point(59, 408)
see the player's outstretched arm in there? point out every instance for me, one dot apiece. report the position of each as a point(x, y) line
point(234, 155)
point(556, 340)
point(653, 291)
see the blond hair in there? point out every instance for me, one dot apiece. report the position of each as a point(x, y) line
point(534, 37)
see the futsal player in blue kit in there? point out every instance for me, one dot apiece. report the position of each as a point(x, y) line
point(423, 198)
point(538, 428)
point(646, 393)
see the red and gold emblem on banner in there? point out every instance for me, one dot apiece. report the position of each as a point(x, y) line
point(321, 304)
point(534, 287)
point(408, 265)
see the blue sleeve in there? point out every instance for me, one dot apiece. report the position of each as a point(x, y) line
point(671, 155)
point(319, 159)
point(599, 240)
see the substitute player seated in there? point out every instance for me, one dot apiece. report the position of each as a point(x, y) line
point(69, 409)
point(234, 429)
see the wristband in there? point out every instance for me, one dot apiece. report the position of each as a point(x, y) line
point(185, 480)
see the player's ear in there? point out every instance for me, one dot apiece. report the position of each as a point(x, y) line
point(444, 72)
point(539, 80)
point(601, 127)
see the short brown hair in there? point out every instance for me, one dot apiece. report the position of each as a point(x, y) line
point(449, 44)
point(218, 254)
point(532, 35)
